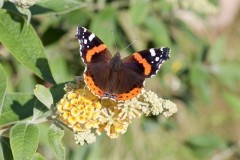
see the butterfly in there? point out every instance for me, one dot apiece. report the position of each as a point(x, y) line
point(109, 76)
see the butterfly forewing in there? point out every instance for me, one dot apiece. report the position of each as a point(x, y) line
point(92, 49)
point(147, 62)
point(96, 56)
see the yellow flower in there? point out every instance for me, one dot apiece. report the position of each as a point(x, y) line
point(88, 115)
point(75, 112)
point(77, 109)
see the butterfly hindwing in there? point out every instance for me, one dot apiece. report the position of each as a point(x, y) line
point(96, 78)
point(130, 84)
point(136, 68)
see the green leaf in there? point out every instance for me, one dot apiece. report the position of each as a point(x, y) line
point(3, 86)
point(217, 51)
point(204, 145)
point(197, 74)
point(103, 23)
point(38, 156)
point(77, 17)
point(55, 6)
point(226, 73)
point(44, 95)
point(198, 78)
point(39, 109)
point(139, 11)
point(55, 135)
point(5, 150)
point(58, 63)
point(233, 100)
point(22, 41)
point(25, 11)
point(26, 82)
point(47, 99)
point(158, 31)
point(57, 92)
point(17, 106)
point(24, 141)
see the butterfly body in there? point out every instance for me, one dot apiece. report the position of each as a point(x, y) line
point(110, 76)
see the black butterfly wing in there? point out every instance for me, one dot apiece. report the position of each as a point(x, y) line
point(96, 56)
point(136, 68)
point(147, 62)
point(92, 49)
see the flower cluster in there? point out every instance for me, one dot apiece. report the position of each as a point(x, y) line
point(203, 6)
point(88, 116)
point(24, 3)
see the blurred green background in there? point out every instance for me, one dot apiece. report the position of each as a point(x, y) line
point(202, 76)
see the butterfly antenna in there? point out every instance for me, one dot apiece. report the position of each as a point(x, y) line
point(114, 41)
point(130, 44)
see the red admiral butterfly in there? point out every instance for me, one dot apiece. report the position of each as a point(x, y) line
point(110, 76)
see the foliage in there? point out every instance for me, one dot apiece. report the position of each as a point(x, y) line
point(37, 46)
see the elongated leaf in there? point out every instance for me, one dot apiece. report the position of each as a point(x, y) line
point(139, 11)
point(103, 23)
point(204, 145)
point(227, 74)
point(233, 100)
point(22, 41)
point(26, 82)
point(24, 141)
point(44, 95)
point(55, 6)
point(3, 86)
point(16, 107)
point(38, 156)
point(217, 51)
point(158, 31)
point(55, 135)
point(5, 150)
point(58, 63)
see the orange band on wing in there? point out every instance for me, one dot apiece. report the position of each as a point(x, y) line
point(126, 96)
point(91, 85)
point(95, 50)
point(143, 61)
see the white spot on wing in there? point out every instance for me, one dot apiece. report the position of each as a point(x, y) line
point(91, 37)
point(157, 59)
point(161, 49)
point(152, 51)
point(85, 41)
